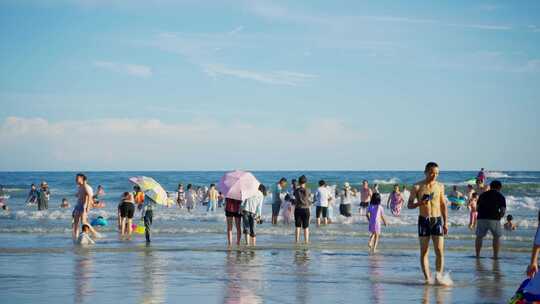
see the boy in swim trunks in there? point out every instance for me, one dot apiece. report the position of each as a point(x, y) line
point(428, 196)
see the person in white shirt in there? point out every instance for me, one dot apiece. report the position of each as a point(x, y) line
point(84, 237)
point(251, 214)
point(322, 198)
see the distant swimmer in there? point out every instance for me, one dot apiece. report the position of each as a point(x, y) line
point(509, 225)
point(64, 204)
point(428, 196)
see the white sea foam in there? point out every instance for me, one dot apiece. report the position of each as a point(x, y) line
point(391, 181)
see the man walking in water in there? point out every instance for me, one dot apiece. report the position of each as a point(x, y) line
point(302, 202)
point(277, 197)
point(491, 207)
point(365, 197)
point(428, 196)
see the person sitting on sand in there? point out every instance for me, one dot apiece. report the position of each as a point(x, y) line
point(64, 204)
point(509, 225)
point(428, 196)
point(84, 237)
point(375, 215)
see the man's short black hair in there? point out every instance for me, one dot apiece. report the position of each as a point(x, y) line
point(282, 180)
point(430, 165)
point(302, 180)
point(322, 183)
point(497, 185)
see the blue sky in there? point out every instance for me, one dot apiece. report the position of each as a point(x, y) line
point(197, 85)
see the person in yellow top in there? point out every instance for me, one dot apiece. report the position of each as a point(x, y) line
point(428, 196)
point(213, 195)
point(138, 197)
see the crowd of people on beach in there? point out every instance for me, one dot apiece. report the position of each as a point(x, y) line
point(486, 205)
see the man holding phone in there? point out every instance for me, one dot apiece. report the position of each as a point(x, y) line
point(428, 196)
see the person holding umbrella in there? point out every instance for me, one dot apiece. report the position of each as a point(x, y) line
point(236, 186)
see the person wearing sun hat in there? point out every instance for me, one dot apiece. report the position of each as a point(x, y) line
point(346, 197)
point(43, 196)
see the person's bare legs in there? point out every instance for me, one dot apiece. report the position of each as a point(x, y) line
point(375, 242)
point(122, 227)
point(370, 242)
point(496, 247)
point(254, 241)
point(238, 222)
point(129, 228)
point(478, 246)
point(424, 260)
point(76, 224)
point(297, 235)
point(306, 235)
point(274, 219)
point(229, 231)
point(246, 238)
point(438, 244)
point(325, 221)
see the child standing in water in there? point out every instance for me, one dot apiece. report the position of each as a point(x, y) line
point(395, 201)
point(473, 211)
point(375, 216)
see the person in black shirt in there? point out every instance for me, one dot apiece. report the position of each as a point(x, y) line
point(491, 208)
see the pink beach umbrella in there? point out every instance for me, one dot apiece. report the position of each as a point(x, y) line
point(238, 185)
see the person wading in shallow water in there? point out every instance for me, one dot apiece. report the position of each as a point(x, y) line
point(428, 196)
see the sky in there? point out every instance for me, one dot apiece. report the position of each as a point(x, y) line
point(269, 85)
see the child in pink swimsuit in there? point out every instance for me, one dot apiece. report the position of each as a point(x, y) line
point(375, 215)
point(395, 201)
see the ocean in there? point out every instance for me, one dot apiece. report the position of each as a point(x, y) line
point(188, 259)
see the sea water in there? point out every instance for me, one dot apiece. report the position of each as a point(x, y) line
point(188, 259)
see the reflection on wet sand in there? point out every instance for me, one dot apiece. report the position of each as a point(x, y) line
point(154, 272)
point(82, 273)
point(375, 273)
point(243, 278)
point(302, 261)
point(442, 294)
point(488, 280)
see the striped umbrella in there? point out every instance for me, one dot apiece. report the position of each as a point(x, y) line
point(152, 189)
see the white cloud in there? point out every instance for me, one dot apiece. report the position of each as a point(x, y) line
point(151, 144)
point(489, 27)
point(489, 7)
point(236, 30)
point(530, 66)
point(129, 69)
point(274, 77)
